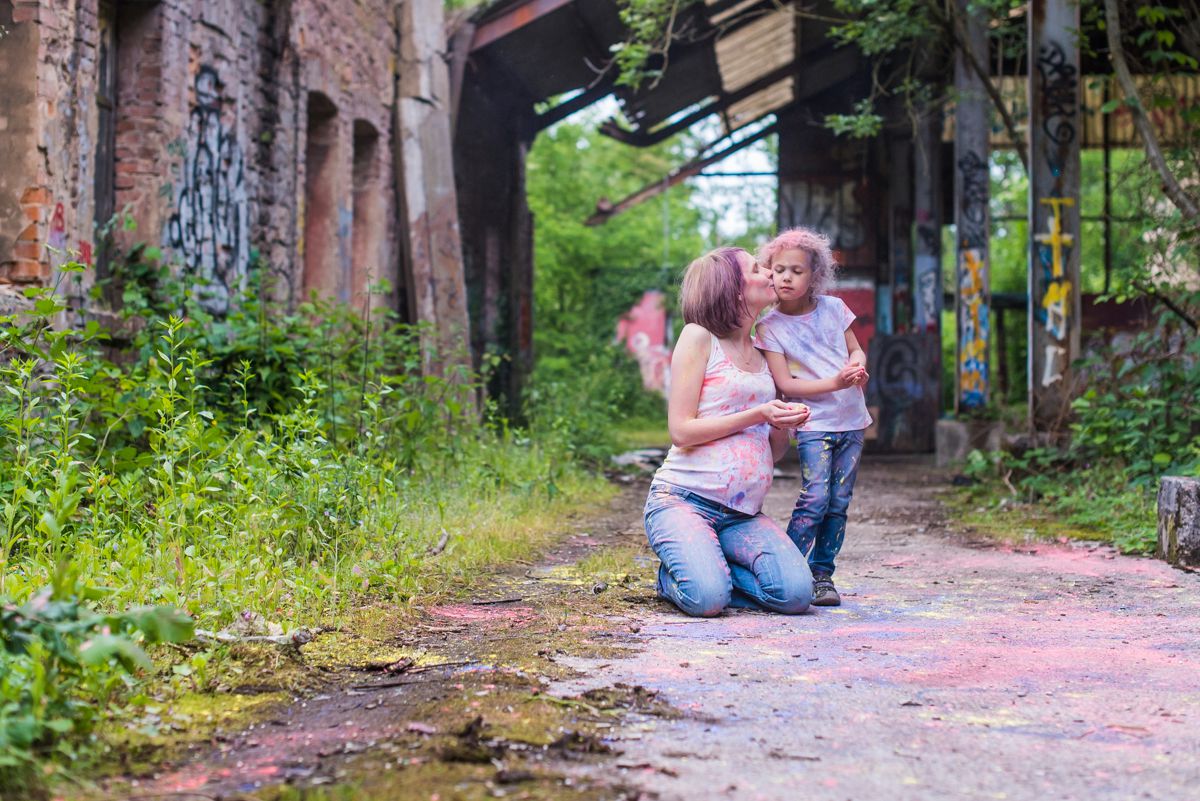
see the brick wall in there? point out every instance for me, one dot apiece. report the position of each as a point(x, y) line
point(209, 141)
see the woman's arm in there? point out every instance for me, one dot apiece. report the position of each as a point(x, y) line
point(687, 379)
point(781, 440)
point(799, 387)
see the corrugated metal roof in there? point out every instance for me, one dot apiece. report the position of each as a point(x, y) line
point(756, 49)
point(760, 104)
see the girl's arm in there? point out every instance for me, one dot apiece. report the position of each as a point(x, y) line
point(857, 354)
point(800, 387)
point(856, 365)
point(687, 379)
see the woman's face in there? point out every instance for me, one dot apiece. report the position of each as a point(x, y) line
point(758, 290)
point(792, 271)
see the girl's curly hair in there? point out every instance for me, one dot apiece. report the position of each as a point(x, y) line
point(818, 247)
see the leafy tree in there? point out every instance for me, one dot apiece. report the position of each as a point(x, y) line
point(587, 277)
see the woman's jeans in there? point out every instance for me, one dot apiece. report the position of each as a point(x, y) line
point(712, 555)
point(828, 467)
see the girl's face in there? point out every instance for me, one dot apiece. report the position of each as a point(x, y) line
point(758, 289)
point(792, 271)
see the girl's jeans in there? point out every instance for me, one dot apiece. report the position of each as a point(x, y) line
point(828, 467)
point(712, 554)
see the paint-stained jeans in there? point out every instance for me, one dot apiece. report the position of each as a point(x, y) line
point(828, 467)
point(713, 556)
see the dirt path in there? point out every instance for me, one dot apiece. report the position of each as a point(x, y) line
point(954, 670)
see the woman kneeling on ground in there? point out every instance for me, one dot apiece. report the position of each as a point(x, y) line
point(703, 516)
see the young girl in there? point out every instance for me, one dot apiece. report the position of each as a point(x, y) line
point(814, 356)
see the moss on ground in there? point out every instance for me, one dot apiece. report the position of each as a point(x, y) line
point(463, 669)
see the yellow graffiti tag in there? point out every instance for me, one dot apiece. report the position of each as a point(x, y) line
point(1055, 303)
point(1056, 239)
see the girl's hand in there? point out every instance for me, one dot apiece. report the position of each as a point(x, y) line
point(852, 375)
point(784, 415)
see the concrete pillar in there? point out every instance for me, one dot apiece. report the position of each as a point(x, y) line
point(1054, 139)
point(927, 261)
point(900, 219)
point(425, 168)
point(927, 210)
point(973, 298)
point(1179, 520)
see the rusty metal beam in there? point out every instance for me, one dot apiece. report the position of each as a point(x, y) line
point(605, 211)
point(569, 107)
point(512, 20)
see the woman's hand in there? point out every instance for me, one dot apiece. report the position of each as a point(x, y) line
point(781, 414)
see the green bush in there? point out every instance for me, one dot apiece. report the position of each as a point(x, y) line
point(1137, 420)
point(61, 665)
point(580, 401)
point(1141, 410)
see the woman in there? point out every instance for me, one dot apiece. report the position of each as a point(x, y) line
point(703, 516)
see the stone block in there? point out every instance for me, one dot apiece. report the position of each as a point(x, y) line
point(954, 439)
point(1179, 520)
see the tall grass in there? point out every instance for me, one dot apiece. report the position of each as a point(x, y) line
point(285, 465)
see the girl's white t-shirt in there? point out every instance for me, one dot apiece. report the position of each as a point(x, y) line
point(814, 345)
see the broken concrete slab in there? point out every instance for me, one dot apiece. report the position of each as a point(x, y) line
point(1179, 520)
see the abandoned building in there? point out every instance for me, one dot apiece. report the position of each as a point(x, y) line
point(364, 141)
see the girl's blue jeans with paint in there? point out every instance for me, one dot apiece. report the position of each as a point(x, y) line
point(713, 556)
point(828, 467)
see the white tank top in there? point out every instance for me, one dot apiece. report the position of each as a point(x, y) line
point(735, 470)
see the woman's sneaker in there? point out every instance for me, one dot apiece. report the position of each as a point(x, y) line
point(824, 593)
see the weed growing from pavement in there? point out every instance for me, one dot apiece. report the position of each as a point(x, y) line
point(1042, 503)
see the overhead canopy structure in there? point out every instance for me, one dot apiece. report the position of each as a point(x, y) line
point(767, 66)
point(733, 58)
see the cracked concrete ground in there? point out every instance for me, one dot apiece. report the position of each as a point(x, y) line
point(954, 670)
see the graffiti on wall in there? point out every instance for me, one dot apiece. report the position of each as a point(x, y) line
point(1055, 134)
point(210, 227)
point(1054, 311)
point(972, 219)
point(926, 303)
point(904, 389)
point(830, 206)
point(973, 328)
point(57, 237)
point(1059, 96)
point(973, 281)
point(926, 311)
point(643, 329)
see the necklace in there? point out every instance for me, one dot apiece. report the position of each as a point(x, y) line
point(742, 354)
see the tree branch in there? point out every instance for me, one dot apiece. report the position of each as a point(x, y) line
point(1182, 200)
point(1178, 310)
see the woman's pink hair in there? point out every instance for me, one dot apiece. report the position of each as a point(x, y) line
point(711, 295)
point(817, 245)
